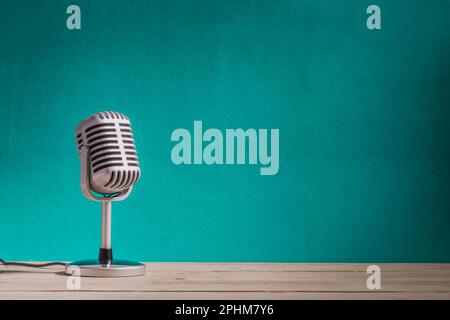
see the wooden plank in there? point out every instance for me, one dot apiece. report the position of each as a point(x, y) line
point(306, 267)
point(236, 281)
point(65, 295)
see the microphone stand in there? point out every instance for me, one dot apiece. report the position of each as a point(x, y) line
point(105, 266)
point(105, 254)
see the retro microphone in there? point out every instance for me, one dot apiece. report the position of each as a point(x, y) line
point(109, 168)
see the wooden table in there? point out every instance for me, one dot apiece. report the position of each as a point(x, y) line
point(235, 281)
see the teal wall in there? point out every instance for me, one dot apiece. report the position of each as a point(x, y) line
point(363, 118)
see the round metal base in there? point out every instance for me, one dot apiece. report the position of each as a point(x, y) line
point(119, 268)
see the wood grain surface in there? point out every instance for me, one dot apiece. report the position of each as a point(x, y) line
point(235, 281)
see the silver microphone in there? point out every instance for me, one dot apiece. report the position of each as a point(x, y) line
point(109, 167)
point(113, 161)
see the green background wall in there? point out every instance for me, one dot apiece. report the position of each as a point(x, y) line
point(363, 118)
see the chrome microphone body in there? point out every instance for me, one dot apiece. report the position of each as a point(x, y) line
point(113, 161)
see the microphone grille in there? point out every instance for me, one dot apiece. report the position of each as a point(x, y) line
point(113, 160)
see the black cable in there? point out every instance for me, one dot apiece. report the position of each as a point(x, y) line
point(32, 265)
